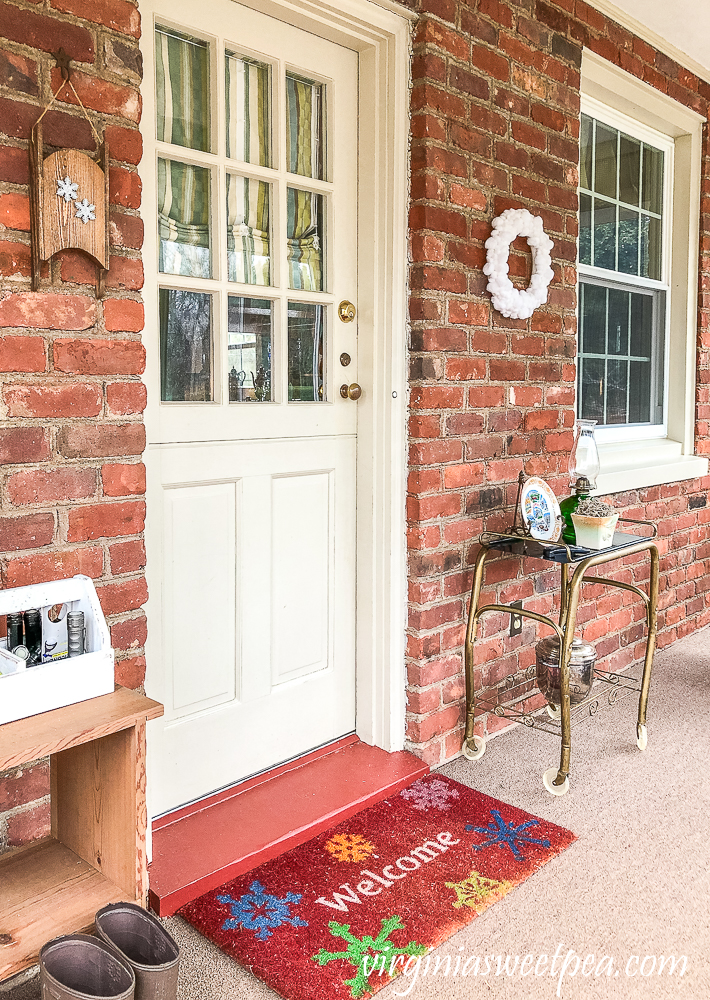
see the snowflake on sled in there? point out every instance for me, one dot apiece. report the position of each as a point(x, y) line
point(85, 211)
point(67, 190)
point(349, 847)
point(500, 834)
point(425, 795)
point(260, 911)
point(383, 953)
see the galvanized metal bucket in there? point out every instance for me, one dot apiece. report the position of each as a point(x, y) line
point(142, 941)
point(80, 967)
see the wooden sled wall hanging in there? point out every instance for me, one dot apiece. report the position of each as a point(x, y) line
point(68, 197)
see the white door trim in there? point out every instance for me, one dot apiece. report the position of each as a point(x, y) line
point(382, 38)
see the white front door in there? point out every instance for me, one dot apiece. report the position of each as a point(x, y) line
point(250, 202)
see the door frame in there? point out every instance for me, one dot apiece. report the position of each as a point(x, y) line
point(380, 32)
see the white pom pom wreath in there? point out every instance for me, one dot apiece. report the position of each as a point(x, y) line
point(514, 302)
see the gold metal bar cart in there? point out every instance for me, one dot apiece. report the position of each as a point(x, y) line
point(575, 563)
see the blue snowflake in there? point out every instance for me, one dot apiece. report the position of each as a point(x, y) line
point(501, 833)
point(257, 910)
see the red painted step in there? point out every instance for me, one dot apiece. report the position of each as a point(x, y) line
point(200, 846)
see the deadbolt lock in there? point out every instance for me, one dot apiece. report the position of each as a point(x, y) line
point(350, 391)
point(346, 311)
point(345, 359)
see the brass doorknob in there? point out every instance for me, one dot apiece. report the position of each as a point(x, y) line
point(350, 391)
point(346, 311)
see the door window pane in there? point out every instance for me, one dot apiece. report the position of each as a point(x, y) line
point(184, 219)
point(249, 336)
point(304, 233)
point(306, 352)
point(182, 83)
point(248, 98)
point(185, 346)
point(248, 239)
point(304, 127)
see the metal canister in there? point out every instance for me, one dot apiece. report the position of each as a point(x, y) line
point(583, 656)
point(75, 633)
point(33, 635)
point(15, 630)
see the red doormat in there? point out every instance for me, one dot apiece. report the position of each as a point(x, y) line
point(340, 916)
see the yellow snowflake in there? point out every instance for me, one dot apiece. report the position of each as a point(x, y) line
point(477, 891)
point(349, 847)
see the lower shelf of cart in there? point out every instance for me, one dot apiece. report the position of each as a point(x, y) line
point(46, 890)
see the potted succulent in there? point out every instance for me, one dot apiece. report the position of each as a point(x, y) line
point(594, 523)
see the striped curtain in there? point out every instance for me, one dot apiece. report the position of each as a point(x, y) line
point(303, 138)
point(248, 115)
point(304, 228)
point(182, 85)
point(183, 203)
point(248, 246)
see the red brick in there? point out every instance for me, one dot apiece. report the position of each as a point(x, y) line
point(51, 486)
point(23, 786)
point(15, 260)
point(20, 445)
point(426, 247)
point(22, 354)
point(434, 452)
point(47, 311)
point(130, 634)
point(101, 440)
point(432, 33)
point(106, 520)
point(100, 95)
point(74, 400)
point(127, 557)
point(15, 210)
point(117, 14)
point(60, 129)
point(130, 673)
point(426, 426)
point(99, 357)
point(124, 144)
point(458, 476)
point(46, 33)
point(434, 724)
point(124, 187)
point(465, 369)
point(44, 566)
point(28, 532)
point(439, 339)
point(119, 598)
point(126, 397)
point(29, 825)
point(14, 165)
point(486, 395)
point(426, 397)
point(470, 312)
point(124, 315)
point(126, 231)
point(123, 480)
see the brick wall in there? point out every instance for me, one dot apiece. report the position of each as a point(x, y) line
point(71, 399)
point(495, 124)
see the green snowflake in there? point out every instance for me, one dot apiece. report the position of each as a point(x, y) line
point(475, 889)
point(379, 949)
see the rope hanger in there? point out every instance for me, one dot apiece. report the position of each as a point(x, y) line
point(63, 61)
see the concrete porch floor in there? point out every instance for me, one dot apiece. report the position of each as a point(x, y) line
point(636, 882)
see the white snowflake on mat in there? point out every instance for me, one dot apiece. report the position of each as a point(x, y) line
point(434, 794)
point(85, 211)
point(67, 190)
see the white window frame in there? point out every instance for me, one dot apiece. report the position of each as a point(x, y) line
point(637, 457)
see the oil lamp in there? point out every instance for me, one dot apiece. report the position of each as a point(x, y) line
point(583, 472)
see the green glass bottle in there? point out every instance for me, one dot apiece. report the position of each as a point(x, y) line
point(582, 489)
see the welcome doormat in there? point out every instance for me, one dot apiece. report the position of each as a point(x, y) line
point(340, 916)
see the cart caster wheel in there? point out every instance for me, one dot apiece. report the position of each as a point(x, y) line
point(548, 779)
point(554, 711)
point(641, 737)
point(475, 752)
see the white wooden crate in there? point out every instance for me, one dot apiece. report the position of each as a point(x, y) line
point(62, 682)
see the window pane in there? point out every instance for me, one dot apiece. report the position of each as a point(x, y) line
point(592, 395)
point(306, 349)
point(604, 234)
point(248, 100)
point(652, 180)
point(618, 328)
point(585, 229)
point(650, 247)
point(184, 219)
point(304, 232)
point(182, 84)
point(248, 242)
point(641, 325)
point(185, 346)
point(616, 391)
point(628, 241)
point(585, 153)
point(605, 161)
point(249, 332)
point(593, 319)
point(629, 169)
point(640, 392)
point(304, 127)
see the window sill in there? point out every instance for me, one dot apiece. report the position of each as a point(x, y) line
point(634, 465)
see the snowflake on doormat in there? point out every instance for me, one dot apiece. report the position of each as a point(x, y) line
point(476, 889)
point(85, 211)
point(259, 911)
point(349, 847)
point(67, 190)
point(380, 950)
point(430, 795)
point(501, 834)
